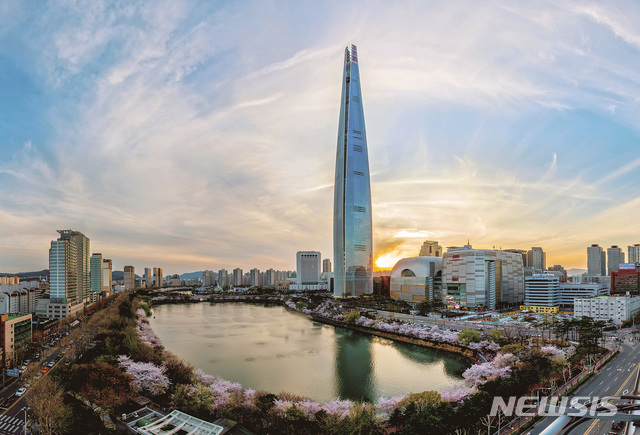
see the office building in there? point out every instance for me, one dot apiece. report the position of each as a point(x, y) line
point(237, 277)
point(129, 278)
point(615, 257)
point(537, 259)
point(15, 336)
point(482, 278)
point(69, 274)
point(430, 249)
point(308, 273)
point(521, 252)
point(326, 265)
point(352, 227)
point(542, 293)
point(95, 272)
point(158, 278)
point(634, 253)
point(417, 279)
point(107, 269)
point(626, 280)
point(616, 308)
point(571, 291)
point(596, 260)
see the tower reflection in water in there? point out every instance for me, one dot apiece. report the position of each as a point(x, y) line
point(354, 366)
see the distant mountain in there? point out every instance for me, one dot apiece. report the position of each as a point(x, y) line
point(191, 275)
point(119, 275)
point(576, 272)
point(38, 274)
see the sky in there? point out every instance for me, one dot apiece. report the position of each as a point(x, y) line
point(198, 135)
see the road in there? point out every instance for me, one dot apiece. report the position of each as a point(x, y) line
point(614, 379)
point(12, 419)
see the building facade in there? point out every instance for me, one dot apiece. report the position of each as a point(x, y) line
point(615, 257)
point(107, 270)
point(326, 265)
point(15, 335)
point(95, 266)
point(158, 278)
point(430, 248)
point(537, 259)
point(542, 290)
point(352, 226)
point(223, 277)
point(633, 252)
point(615, 308)
point(625, 280)
point(69, 272)
point(129, 278)
point(482, 278)
point(237, 277)
point(417, 279)
point(596, 260)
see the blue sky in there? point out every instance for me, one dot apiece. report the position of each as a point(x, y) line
point(196, 135)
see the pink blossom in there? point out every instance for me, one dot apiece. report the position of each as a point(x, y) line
point(146, 376)
point(552, 351)
point(479, 374)
point(388, 405)
point(338, 408)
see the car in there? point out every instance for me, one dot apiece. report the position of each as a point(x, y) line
point(51, 363)
point(20, 391)
point(23, 368)
point(44, 370)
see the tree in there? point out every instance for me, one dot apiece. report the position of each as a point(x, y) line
point(351, 317)
point(469, 336)
point(497, 336)
point(46, 399)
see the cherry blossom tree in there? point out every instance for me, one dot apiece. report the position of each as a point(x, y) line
point(146, 376)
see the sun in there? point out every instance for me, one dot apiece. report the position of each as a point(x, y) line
point(388, 260)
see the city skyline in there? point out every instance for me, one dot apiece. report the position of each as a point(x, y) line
point(201, 136)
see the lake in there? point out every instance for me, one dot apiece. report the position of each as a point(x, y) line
point(269, 348)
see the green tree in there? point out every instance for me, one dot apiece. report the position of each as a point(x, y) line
point(497, 336)
point(351, 317)
point(469, 336)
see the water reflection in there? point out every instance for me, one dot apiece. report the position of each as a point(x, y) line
point(354, 366)
point(268, 348)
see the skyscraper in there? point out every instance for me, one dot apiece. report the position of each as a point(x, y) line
point(615, 257)
point(596, 260)
point(148, 277)
point(537, 259)
point(157, 273)
point(634, 253)
point(352, 228)
point(129, 278)
point(96, 272)
point(307, 267)
point(326, 265)
point(69, 273)
point(107, 268)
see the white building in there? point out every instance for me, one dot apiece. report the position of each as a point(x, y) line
point(416, 279)
point(634, 253)
point(616, 308)
point(542, 290)
point(208, 278)
point(482, 277)
point(570, 291)
point(107, 269)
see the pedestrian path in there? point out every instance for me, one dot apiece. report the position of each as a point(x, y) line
point(10, 425)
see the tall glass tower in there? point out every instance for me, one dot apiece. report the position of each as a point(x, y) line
point(352, 238)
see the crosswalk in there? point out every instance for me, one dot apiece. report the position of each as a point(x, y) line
point(10, 425)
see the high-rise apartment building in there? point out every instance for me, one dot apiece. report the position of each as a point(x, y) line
point(326, 265)
point(129, 278)
point(237, 277)
point(223, 277)
point(148, 276)
point(537, 259)
point(157, 274)
point(95, 272)
point(634, 253)
point(615, 257)
point(430, 249)
point(207, 278)
point(352, 227)
point(269, 278)
point(596, 260)
point(107, 269)
point(254, 277)
point(69, 274)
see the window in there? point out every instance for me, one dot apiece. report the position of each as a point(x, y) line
point(357, 148)
point(358, 173)
point(359, 248)
point(358, 209)
point(356, 132)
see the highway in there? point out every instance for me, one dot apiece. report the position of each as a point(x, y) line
point(614, 379)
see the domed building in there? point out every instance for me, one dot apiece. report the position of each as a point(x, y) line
point(416, 279)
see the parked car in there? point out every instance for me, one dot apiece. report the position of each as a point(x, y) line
point(51, 363)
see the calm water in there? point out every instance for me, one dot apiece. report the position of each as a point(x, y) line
point(269, 348)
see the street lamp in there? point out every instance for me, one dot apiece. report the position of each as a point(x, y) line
point(25, 409)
